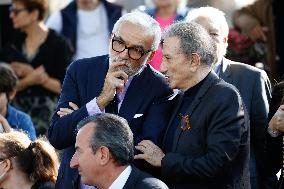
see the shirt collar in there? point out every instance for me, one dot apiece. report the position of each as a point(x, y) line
point(121, 179)
point(217, 67)
point(11, 116)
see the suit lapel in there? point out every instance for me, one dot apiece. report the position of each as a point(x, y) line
point(209, 81)
point(173, 115)
point(225, 71)
point(135, 95)
point(132, 179)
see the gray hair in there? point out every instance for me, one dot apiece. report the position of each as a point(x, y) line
point(151, 26)
point(193, 39)
point(214, 14)
point(114, 133)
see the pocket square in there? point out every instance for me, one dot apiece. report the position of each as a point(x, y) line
point(137, 115)
point(173, 95)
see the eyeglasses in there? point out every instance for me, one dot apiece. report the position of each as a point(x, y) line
point(16, 11)
point(134, 53)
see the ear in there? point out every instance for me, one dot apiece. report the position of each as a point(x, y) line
point(7, 165)
point(225, 40)
point(12, 94)
point(110, 37)
point(195, 62)
point(105, 155)
point(35, 14)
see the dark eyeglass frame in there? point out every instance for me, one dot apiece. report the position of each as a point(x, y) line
point(128, 48)
point(16, 11)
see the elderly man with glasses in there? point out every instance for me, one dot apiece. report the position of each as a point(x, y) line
point(121, 83)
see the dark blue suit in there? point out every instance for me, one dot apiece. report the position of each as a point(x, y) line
point(141, 180)
point(84, 80)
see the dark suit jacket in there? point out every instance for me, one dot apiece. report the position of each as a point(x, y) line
point(214, 152)
point(84, 81)
point(141, 180)
point(255, 89)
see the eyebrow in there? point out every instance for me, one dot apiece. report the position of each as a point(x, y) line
point(135, 46)
point(77, 148)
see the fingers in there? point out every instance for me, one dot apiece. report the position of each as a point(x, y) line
point(147, 144)
point(114, 66)
point(64, 111)
point(141, 148)
point(73, 106)
point(140, 156)
point(120, 75)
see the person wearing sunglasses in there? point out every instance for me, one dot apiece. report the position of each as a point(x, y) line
point(39, 56)
point(121, 83)
point(25, 164)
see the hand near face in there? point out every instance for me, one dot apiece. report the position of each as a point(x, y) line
point(21, 69)
point(114, 82)
point(65, 111)
point(5, 124)
point(150, 153)
point(277, 121)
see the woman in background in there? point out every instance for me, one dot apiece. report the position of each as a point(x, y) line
point(165, 12)
point(39, 56)
point(25, 164)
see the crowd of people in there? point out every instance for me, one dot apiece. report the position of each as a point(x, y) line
point(146, 99)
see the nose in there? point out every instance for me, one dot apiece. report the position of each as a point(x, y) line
point(124, 54)
point(74, 162)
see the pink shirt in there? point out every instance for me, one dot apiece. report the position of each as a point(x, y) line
point(157, 59)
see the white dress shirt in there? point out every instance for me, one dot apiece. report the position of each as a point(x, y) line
point(121, 179)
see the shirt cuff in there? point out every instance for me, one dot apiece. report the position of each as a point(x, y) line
point(272, 132)
point(93, 108)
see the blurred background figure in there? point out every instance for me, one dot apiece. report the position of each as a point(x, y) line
point(10, 117)
point(165, 12)
point(25, 164)
point(129, 5)
point(87, 24)
point(39, 57)
point(6, 28)
point(274, 136)
point(260, 21)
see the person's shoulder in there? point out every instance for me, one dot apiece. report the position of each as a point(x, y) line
point(221, 87)
point(152, 72)
point(244, 69)
point(57, 38)
point(156, 79)
point(80, 68)
point(18, 113)
point(146, 181)
point(89, 63)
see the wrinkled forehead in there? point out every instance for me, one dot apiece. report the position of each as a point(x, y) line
point(134, 34)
